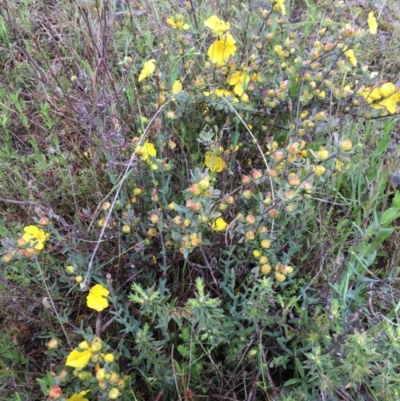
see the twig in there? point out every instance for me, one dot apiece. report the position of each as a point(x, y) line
point(175, 378)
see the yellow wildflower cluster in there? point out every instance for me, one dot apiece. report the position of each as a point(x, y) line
point(384, 97)
point(225, 45)
point(32, 241)
point(177, 23)
point(147, 151)
point(103, 363)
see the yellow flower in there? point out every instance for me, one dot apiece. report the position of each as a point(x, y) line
point(257, 77)
point(385, 97)
point(79, 397)
point(148, 149)
point(244, 98)
point(34, 235)
point(340, 165)
point(224, 93)
point(219, 225)
point(177, 23)
point(217, 26)
point(387, 89)
point(238, 79)
point(351, 57)
point(97, 298)
point(78, 359)
point(372, 24)
point(370, 95)
point(390, 103)
point(148, 69)
point(280, 4)
point(279, 50)
point(177, 87)
point(214, 163)
point(220, 51)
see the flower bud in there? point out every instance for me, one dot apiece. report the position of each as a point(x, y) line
point(106, 205)
point(53, 343)
point(285, 269)
point(256, 174)
point(230, 200)
point(247, 194)
point(55, 392)
point(246, 179)
point(273, 213)
point(195, 190)
point(346, 145)
point(294, 181)
point(319, 170)
point(265, 269)
point(113, 394)
point(126, 229)
point(101, 374)
point(323, 154)
point(265, 243)
point(256, 253)
point(96, 345)
point(153, 218)
point(280, 277)
point(70, 269)
point(250, 235)
point(203, 184)
point(250, 219)
point(109, 358)
point(44, 221)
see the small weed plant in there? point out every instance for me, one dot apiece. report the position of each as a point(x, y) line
point(198, 201)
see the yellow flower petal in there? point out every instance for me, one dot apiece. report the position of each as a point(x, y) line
point(97, 298)
point(214, 163)
point(279, 50)
point(220, 51)
point(177, 23)
point(239, 79)
point(177, 87)
point(148, 149)
point(79, 397)
point(351, 57)
point(387, 89)
point(280, 4)
point(217, 26)
point(223, 93)
point(219, 225)
point(148, 69)
point(78, 359)
point(35, 235)
point(372, 24)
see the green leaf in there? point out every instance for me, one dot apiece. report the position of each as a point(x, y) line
point(389, 215)
point(396, 200)
point(291, 382)
point(299, 367)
